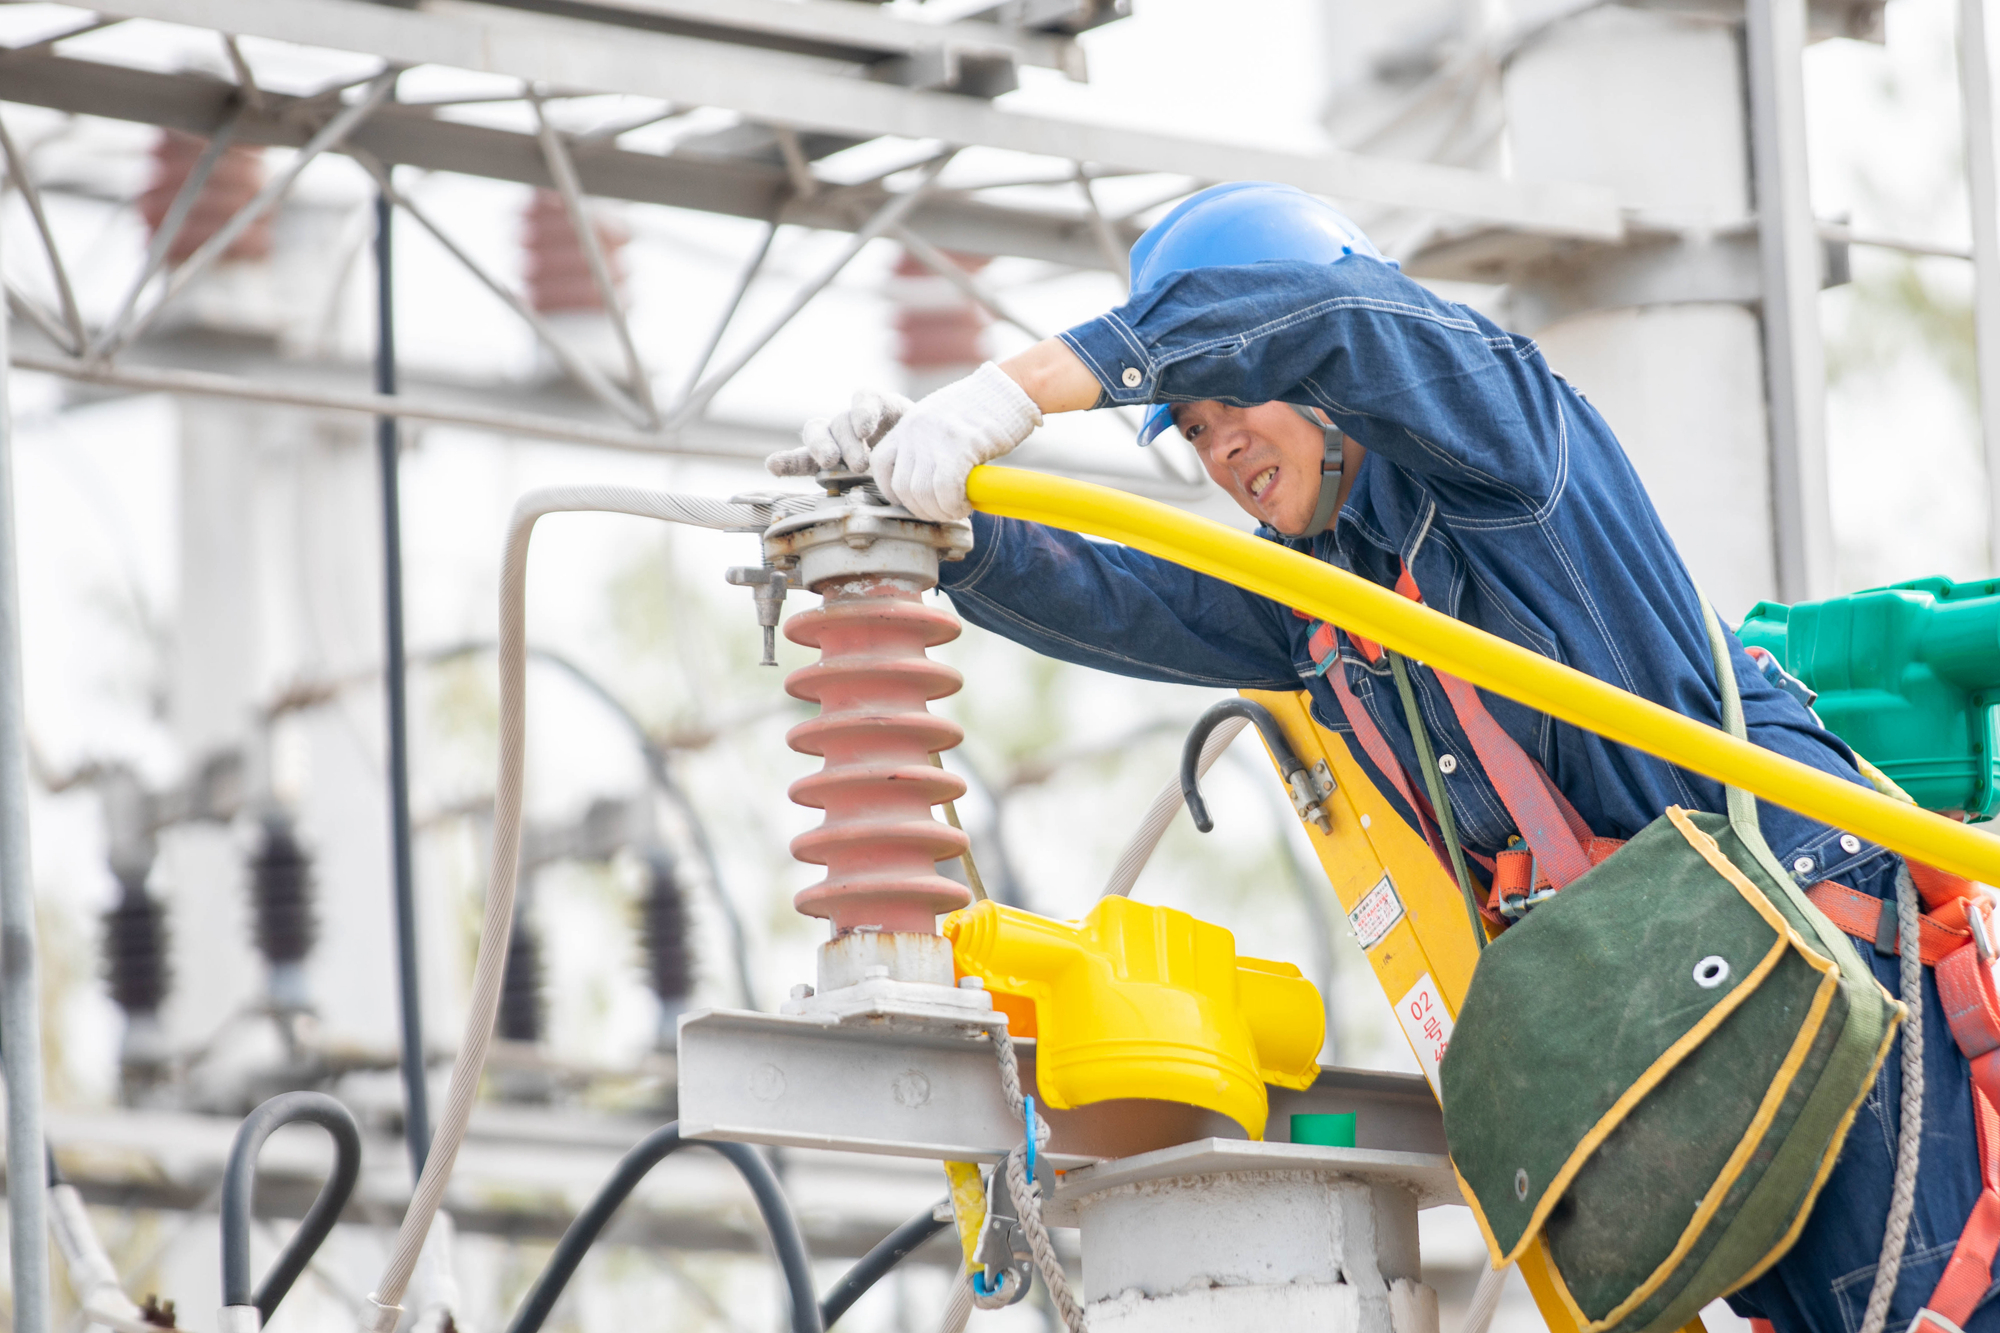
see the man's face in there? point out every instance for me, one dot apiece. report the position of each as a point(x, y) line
point(1267, 457)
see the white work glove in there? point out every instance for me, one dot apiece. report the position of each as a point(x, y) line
point(923, 461)
point(841, 444)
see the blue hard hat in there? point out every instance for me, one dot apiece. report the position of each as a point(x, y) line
point(1245, 222)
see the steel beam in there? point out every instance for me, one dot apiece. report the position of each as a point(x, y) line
point(908, 1089)
point(1788, 242)
point(580, 369)
point(17, 167)
point(888, 216)
point(804, 91)
point(1982, 177)
point(20, 981)
point(287, 384)
point(329, 135)
point(168, 231)
point(401, 135)
point(580, 221)
point(525, 1172)
point(832, 29)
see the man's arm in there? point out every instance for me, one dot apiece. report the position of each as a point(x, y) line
point(1054, 376)
point(1119, 610)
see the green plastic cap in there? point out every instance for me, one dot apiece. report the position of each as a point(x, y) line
point(1325, 1131)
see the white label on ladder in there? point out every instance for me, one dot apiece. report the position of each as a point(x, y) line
point(1427, 1023)
point(1376, 914)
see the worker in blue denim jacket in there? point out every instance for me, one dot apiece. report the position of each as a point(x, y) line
point(1362, 419)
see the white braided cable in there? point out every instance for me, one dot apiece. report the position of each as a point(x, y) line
point(701, 511)
point(1486, 1300)
point(1163, 809)
point(958, 1309)
point(1028, 1194)
point(1909, 1137)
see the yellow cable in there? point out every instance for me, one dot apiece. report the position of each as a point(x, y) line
point(1362, 608)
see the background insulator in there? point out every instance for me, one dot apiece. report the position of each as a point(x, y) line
point(283, 922)
point(940, 335)
point(135, 949)
point(558, 272)
point(663, 932)
point(234, 182)
point(521, 1011)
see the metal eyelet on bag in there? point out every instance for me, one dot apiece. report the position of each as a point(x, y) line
point(1521, 1184)
point(1711, 972)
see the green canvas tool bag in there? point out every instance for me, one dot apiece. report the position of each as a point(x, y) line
point(1654, 1070)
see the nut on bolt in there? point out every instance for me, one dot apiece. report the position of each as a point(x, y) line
point(769, 586)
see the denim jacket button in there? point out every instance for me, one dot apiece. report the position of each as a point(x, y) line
point(1131, 377)
point(1447, 764)
point(1849, 843)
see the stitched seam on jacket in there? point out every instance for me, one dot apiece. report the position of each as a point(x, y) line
point(1556, 488)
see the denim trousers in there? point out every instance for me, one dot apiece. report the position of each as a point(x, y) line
point(1822, 1283)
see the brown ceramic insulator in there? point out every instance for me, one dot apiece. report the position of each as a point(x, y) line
point(232, 183)
point(880, 843)
point(941, 332)
point(558, 272)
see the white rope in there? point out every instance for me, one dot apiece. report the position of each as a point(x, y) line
point(1028, 1194)
point(750, 515)
point(1909, 1138)
point(1163, 809)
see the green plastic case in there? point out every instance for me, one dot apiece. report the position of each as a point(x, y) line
point(1909, 676)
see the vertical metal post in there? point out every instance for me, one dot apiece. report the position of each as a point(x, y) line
point(1975, 81)
point(416, 1094)
point(20, 1001)
point(1788, 241)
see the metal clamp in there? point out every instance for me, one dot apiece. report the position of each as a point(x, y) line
point(771, 586)
point(1002, 1249)
point(1978, 918)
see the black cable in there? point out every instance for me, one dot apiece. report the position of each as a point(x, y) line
point(786, 1241)
point(873, 1266)
point(416, 1094)
point(239, 1182)
point(1289, 766)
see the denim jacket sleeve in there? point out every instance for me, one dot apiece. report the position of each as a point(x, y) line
point(1431, 385)
point(1117, 609)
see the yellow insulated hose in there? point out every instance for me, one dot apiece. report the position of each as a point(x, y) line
point(1362, 608)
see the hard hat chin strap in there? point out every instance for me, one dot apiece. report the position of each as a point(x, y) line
point(1329, 475)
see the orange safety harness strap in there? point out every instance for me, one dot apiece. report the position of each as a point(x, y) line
point(1950, 941)
point(1559, 844)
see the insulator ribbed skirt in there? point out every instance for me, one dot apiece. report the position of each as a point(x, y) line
point(880, 843)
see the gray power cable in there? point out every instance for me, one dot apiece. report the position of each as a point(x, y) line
point(241, 1306)
point(1165, 806)
point(385, 1304)
point(1910, 1133)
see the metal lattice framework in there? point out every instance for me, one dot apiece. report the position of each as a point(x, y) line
point(804, 81)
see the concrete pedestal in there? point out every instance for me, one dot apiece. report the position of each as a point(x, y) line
point(1266, 1236)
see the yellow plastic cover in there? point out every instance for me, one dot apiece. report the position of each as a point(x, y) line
point(1143, 1001)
